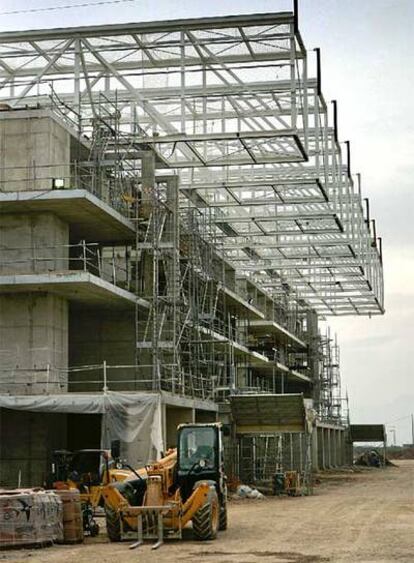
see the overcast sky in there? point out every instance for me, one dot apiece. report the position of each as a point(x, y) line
point(368, 66)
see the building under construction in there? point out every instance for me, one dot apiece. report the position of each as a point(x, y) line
point(177, 214)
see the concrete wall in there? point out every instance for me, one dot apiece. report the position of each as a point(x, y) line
point(205, 416)
point(173, 417)
point(33, 243)
point(26, 443)
point(33, 335)
point(96, 335)
point(33, 149)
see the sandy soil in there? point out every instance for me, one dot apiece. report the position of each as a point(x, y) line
point(365, 516)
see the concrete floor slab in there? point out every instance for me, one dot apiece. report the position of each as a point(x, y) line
point(263, 327)
point(81, 287)
point(270, 367)
point(89, 218)
point(240, 306)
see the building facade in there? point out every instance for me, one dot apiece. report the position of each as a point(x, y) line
point(176, 216)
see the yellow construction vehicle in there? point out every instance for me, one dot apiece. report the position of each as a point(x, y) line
point(88, 471)
point(188, 484)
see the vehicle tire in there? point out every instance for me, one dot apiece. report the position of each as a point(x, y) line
point(94, 529)
point(223, 517)
point(206, 519)
point(223, 511)
point(113, 524)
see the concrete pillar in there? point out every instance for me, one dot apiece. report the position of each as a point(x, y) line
point(34, 149)
point(326, 460)
point(329, 444)
point(164, 424)
point(333, 447)
point(338, 448)
point(148, 352)
point(313, 355)
point(321, 455)
point(314, 449)
point(340, 460)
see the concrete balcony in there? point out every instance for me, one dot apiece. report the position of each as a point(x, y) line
point(84, 273)
point(237, 304)
point(77, 286)
point(261, 328)
point(88, 217)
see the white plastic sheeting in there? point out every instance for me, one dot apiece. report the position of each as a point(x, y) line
point(133, 418)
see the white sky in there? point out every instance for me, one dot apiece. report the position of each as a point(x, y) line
point(368, 66)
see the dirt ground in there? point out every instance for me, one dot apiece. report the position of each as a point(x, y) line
point(363, 516)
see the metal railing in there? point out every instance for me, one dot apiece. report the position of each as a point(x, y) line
point(106, 264)
point(103, 377)
point(117, 191)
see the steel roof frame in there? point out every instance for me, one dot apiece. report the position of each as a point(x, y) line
point(228, 102)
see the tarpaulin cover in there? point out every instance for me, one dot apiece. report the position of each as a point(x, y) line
point(133, 418)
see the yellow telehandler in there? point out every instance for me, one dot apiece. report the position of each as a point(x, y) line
point(188, 484)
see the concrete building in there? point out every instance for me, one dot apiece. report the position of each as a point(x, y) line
point(172, 248)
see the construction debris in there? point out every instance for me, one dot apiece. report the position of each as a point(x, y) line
point(244, 491)
point(369, 459)
point(372, 458)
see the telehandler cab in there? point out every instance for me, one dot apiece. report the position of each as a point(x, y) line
point(187, 484)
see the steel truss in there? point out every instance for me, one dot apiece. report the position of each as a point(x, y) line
point(227, 103)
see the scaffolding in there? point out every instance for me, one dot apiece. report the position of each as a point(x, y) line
point(331, 393)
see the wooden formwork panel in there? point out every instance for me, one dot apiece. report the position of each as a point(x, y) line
point(268, 413)
point(368, 433)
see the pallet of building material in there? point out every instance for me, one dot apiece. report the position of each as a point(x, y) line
point(30, 517)
point(72, 515)
point(293, 484)
point(287, 483)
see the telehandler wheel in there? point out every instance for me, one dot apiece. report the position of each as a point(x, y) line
point(223, 517)
point(94, 530)
point(206, 519)
point(113, 524)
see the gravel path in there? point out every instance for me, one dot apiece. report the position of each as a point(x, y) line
point(365, 516)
